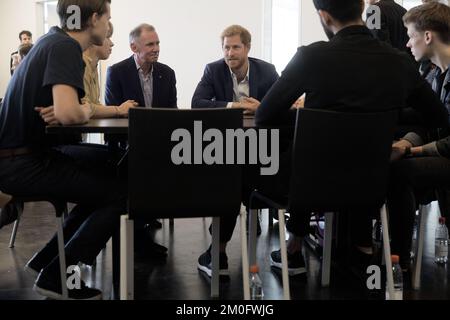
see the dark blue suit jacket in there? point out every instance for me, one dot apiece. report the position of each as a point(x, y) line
point(122, 84)
point(215, 90)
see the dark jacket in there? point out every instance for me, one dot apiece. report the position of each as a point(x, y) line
point(443, 145)
point(215, 89)
point(122, 84)
point(353, 72)
point(392, 29)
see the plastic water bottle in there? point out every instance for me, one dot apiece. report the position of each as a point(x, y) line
point(441, 242)
point(256, 289)
point(398, 280)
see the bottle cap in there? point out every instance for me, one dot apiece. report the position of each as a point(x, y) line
point(395, 258)
point(254, 269)
point(441, 220)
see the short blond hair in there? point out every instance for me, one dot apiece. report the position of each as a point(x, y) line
point(234, 30)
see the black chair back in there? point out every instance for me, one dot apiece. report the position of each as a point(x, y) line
point(341, 160)
point(158, 188)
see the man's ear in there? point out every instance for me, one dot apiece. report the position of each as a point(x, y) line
point(325, 17)
point(94, 19)
point(133, 47)
point(428, 37)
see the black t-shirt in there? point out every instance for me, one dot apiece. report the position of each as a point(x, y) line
point(55, 59)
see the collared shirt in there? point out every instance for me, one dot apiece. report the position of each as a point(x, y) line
point(241, 90)
point(146, 84)
point(91, 82)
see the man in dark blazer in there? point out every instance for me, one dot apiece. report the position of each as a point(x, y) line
point(141, 78)
point(391, 29)
point(236, 81)
point(152, 85)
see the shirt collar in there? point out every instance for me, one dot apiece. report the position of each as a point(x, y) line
point(350, 30)
point(138, 67)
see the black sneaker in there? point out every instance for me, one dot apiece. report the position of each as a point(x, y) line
point(52, 289)
point(296, 262)
point(39, 261)
point(204, 264)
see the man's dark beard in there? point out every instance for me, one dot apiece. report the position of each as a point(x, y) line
point(328, 32)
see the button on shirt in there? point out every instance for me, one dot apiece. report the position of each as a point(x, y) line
point(241, 90)
point(146, 85)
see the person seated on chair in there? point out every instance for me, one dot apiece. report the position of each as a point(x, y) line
point(420, 165)
point(91, 58)
point(76, 148)
point(330, 73)
point(151, 84)
point(52, 75)
point(237, 80)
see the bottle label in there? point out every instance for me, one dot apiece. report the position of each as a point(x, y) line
point(441, 250)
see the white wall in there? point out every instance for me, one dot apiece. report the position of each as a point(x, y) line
point(310, 28)
point(15, 16)
point(189, 31)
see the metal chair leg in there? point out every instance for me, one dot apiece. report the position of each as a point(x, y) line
point(252, 236)
point(284, 259)
point(417, 268)
point(387, 252)
point(126, 258)
point(215, 256)
point(326, 259)
point(62, 258)
point(12, 240)
point(245, 264)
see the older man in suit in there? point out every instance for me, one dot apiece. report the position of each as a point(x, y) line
point(151, 84)
point(141, 77)
point(236, 81)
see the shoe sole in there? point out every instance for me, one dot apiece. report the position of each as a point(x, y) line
point(291, 271)
point(57, 296)
point(222, 272)
point(31, 272)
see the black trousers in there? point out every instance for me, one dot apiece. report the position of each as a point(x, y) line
point(100, 199)
point(411, 181)
point(275, 187)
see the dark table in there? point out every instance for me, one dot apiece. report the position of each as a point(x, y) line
point(113, 126)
